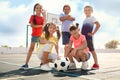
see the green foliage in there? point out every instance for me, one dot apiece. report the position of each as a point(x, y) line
point(5, 46)
point(112, 44)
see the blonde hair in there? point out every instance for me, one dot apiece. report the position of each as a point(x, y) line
point(89, 7)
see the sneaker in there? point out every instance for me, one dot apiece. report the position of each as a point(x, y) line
point(84, 65)
point(95, 66)
point(45, 67)
point(72, 66)
point(24, 67)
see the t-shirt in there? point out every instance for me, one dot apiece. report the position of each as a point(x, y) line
point(39, 21)
point(53, 38)
point(87, 27)
point(65, 24)
point(79, 42)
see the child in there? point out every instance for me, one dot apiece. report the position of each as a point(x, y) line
point(66, 20)
point(47, 41)
point(87, 30)
point(36, 21)
point(80, 51)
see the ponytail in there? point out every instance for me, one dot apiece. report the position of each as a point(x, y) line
point(58, 33)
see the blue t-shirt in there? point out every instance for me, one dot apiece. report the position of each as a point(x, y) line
point(87, 27)
point(65, 24)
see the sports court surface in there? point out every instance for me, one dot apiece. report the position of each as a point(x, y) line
point(10, 64)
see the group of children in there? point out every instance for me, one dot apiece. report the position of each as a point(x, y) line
point(43, 33)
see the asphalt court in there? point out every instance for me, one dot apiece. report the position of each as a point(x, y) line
point(10, 64)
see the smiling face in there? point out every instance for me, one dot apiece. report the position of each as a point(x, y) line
point(74, 31)
point(66, 9)
point(52, 28)
point(88, 10)
point(37, 9)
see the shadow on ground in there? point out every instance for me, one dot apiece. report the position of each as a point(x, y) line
point(18, 72)
point(72, 73)
point(37, 71)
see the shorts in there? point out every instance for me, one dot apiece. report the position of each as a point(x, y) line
point(35, 38)
point(90, 45)
point(65, 37)
point(87, 58)
point(46, 48)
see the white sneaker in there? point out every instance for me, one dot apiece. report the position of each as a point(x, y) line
point(46, 67)
point(84, 65)
point(72, 66)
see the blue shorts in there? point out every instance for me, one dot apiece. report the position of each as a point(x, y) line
point(35, 39)
point(65, 37)
point(87, 58)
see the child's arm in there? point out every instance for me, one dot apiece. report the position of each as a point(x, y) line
point(43, 41)
point(70, 44)
point(84, 45)
point(35, 26)
point(64, 18)
point(57, 48)
point(67, 17)
point(71, 18)
point(96, 29)
point(44, 16)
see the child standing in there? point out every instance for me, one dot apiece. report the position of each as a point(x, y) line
point(47, 41)
point(87, 30)
point(36, 21)
point(66, 20)
point(80, 51)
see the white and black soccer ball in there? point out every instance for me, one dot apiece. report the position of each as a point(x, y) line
point(61, 64)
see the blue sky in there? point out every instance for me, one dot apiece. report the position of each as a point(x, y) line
point(15, 14)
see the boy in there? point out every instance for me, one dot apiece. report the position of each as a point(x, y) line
point(66, 20)
point(87, 30)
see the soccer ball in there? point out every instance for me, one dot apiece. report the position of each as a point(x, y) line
point(61, 64)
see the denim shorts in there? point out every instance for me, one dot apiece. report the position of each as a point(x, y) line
point(35, 38)
point(65, 37)
point(87, 58)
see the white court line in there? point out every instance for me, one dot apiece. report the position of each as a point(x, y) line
point(85, 77)
point(10, 63)
point(13, 77)
point(90, 78)
point(20, 77)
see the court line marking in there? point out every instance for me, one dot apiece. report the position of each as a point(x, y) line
point(10, 63)
point(19, 77)
point(85, 77)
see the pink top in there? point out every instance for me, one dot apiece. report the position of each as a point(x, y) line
point(79, 42)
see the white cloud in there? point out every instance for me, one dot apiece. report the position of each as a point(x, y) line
point(108, 6)
point(109, 28)
point(16, 19)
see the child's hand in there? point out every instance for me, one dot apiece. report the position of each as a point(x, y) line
point(58, 58)
point(43, 12)
point(53, 42)
point(90, 34)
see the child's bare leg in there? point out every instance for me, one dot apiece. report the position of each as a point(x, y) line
point(45, 57)
point(84, 56)
point(67, 50)
point(94, 57)
point(81, 55)
point(70, 56)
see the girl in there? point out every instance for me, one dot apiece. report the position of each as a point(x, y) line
point(36, 21)
point(47, 41)
point(80, 51)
